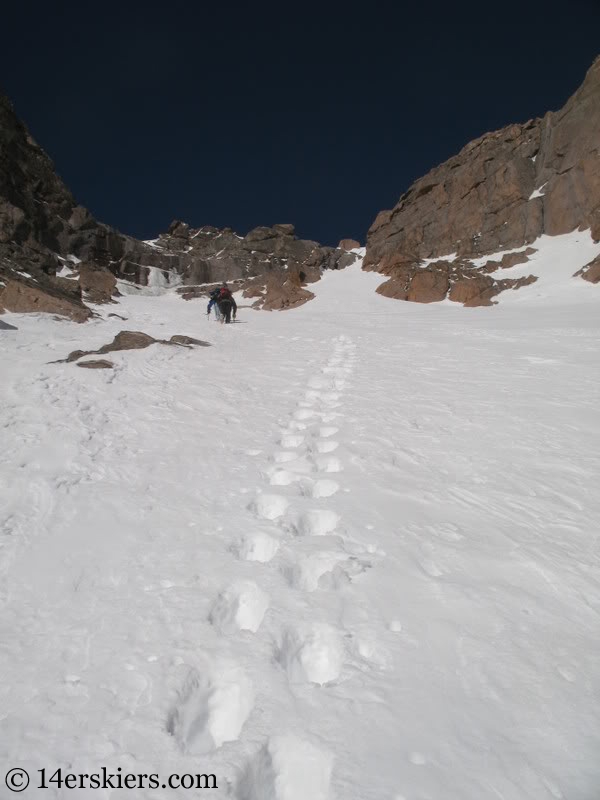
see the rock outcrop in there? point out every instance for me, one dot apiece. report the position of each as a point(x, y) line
point(591, 271)
point(96, 363)
point(98, 284)
point(203, 255)
point(282, 290)
point(133, 340)
point(349, 244)
point(42, 229)
point(22, 294)
point(456, 280)
point(500, 192)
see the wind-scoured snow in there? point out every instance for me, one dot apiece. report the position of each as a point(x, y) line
point(349, 552)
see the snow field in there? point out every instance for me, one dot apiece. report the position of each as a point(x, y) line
point(310, 652)
point(427, 630)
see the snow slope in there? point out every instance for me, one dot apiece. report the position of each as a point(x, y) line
point(552, 264)
point(350, 552)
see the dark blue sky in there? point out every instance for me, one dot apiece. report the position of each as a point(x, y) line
point(314, 114)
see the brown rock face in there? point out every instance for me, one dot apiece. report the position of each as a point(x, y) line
point(475, 203)
point(591, 271)
point(508, 260)
point(459, 280)
point(348, 244)
point(40, 222)
point(128, 340)
point(193, 292)
point(282, 291)
point(98, 284)
point(35, 205)
point(286, 229)
point(186, 341)
point(428, 286)
point(569, 160)
point(481, 201)
point(208, 254)
point(477, 290)
point(25, 296)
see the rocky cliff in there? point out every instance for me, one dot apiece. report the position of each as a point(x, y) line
point(42, 229)
point(268, 258)
point(500, 192)
point(54, 255)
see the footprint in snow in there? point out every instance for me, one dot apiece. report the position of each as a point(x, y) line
point(326, 445)
point(325, 488)
point(317, 522)
point(283, 456)
point(294, 425)
point(303, 466)
point(327, 431)
point(282, 477)
point(241, 606)
point(287, 768)
point(211, 708)
point(311, 652)
point(257, 546)
point(269, 506)
point(328, 464)
point(306, 572)
point(345, 573)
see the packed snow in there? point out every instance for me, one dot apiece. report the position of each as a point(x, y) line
point(537, 192)
point(349, 552)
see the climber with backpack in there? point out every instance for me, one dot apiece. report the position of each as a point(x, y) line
point(214, 297)
point(226, 303)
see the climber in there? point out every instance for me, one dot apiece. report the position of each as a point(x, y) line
point(214, 297)
point(226, 303)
